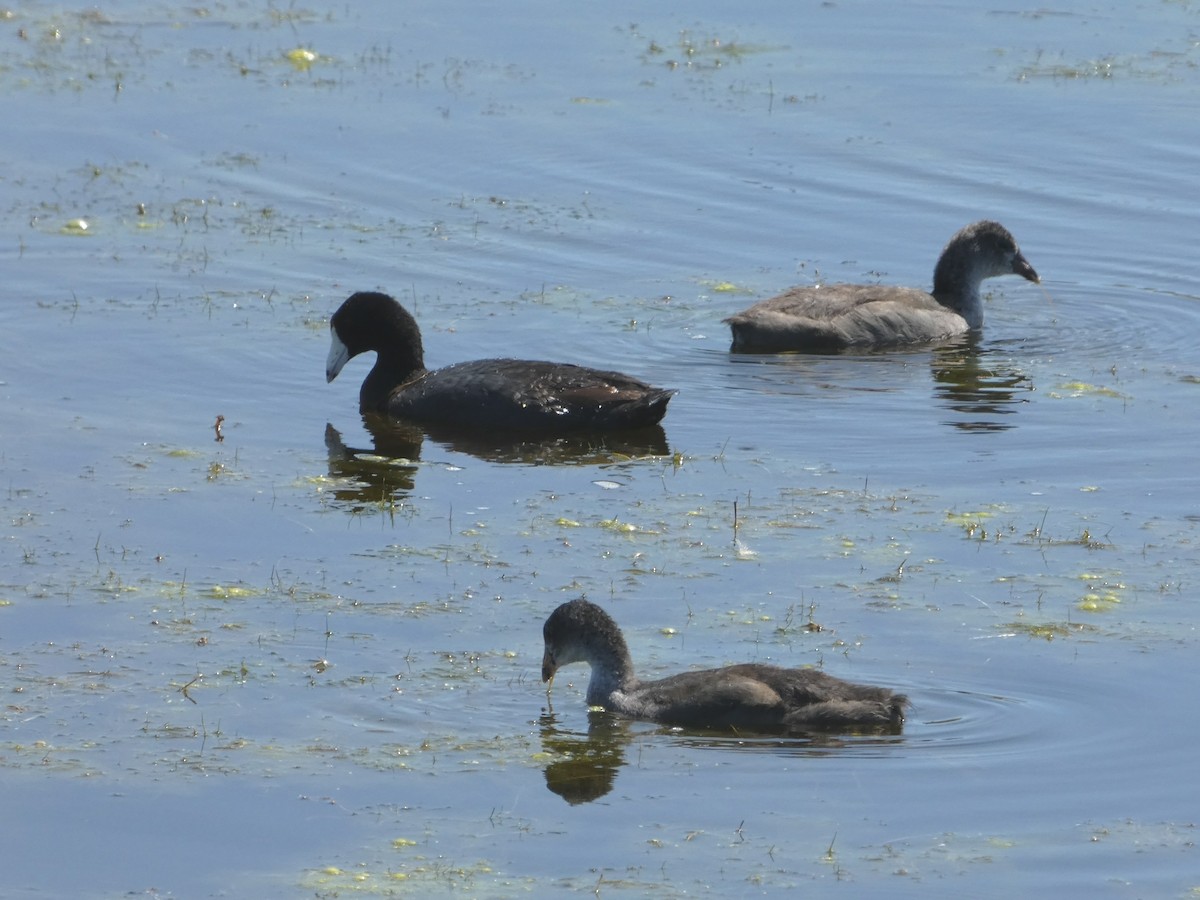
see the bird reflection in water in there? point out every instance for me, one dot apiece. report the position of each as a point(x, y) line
point(981, 385)
point(386, 473)
point(373, 478)
point(537, 449)
point(584, 767)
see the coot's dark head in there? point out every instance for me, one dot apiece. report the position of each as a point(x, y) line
point(370, 320)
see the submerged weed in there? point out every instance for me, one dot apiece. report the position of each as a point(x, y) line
point(1047, 630)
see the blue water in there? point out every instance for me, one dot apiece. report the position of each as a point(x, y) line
point(285, 663)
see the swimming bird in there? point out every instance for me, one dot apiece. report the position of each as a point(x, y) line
point(489, 393)
point(751, 696)
point(833, 317)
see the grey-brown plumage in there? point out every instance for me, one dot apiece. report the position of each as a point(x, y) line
point(496, 393)
point(835, 317)
point(747, 697)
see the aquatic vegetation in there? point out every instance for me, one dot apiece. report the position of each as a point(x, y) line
point(789, 624)
point(726, 287)
point(232, 592)
point(301, 58)
point(701, 52)
point(621, 527)
point(1103, 67)
point(1083, 389)
point(428, 875)
point(1047, 630)
point(1158, 64)
point(973, 523)
point(1104, 592)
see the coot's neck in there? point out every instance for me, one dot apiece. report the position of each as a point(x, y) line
point(391, 370)
point(612, 670)
point(957, 288)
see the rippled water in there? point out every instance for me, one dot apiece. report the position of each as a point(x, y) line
point(304, 659)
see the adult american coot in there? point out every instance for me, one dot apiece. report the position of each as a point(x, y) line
point(836, 317)
point(748, 697)
point(495, 393)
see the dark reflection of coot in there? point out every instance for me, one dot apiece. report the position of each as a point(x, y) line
point(584, 767)
point(979, 385)
point(812, 744)
point(373, 477)
point(386, 473)
point(521, 446)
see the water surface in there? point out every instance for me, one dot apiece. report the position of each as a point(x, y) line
point(304, 659)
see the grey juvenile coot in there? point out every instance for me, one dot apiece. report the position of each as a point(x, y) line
point(748, 697)
point(496, 393)
point(849, 316)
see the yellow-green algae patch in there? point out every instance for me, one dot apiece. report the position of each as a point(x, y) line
point(302, 58)
point(621, 527)
point(1083, 389)
point(231, 592)
point(1046, 630)
point(1104, 592)
point(435, 873)
point(726, 287)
